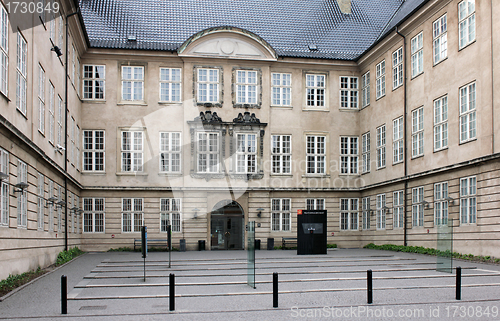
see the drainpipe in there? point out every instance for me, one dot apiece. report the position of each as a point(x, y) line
point(66, 135)
point(405, 230)
point(492, 85)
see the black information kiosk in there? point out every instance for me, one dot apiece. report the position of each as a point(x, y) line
point(311, 232)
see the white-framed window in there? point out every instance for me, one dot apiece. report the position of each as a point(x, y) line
point(315, 89)
point(41, 99)
point(441, 123)
point(466, 22)
point(316, 154)
point(170, 214)
point(365, 207)
point(281, 154)
point(246, 153)
point(365, 89)
point(132, 151)
point(281, 89)
point(417, 132)
point(381, 212)
point(22, 197)
point(441, 203)
point(365, 153)
point(133, 83)
point(417, 55)
point(468, 112)
point(315, 204)
point(440, 36)
point(208, 152)
point(52, 27)
point(398, 143)
point(52, 115)
point(4, 188)
point(349, 214)
point(417, 208)
point(349, 155)
point(72, 140)
point(40, 200)
point(208, 85)
point(73, 65)
point(380, 79)
point(398, 208)
point(246, 87)
point(78, 77)
point(132, 215)
point(170, 152)
point(397, 68)
point(468, 193)
point(51, 206)
point(381, 147)
point(59, 208)
point(281, 214)
point(93, 150)
point(60, 32)
point(94, 80)
point(4, 50)
point(21, 83)
point(170, 84)
point(93, 215)
point(71, 216)
point(60, 117)
point(349, 92)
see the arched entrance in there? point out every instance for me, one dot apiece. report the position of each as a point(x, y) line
point(227, 226)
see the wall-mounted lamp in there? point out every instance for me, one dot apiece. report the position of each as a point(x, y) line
point(61, 204)
point(74, 209)
point(3, 176)
point(195, 210)
point(259, 212)
point(425, 204)
point(371, 211)
point(79, 211)
point(450, 200)
point(59, 148)
point(57, 50)
point(20, 187)
point(51, 200)
point(386, 209)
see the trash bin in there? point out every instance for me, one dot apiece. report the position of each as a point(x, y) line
point(257, 244)
point(201, 245)
point(270, 243)
point(183, 245)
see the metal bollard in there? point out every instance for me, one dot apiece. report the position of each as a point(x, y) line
point(369, 286)
point(64, 294)
point(171, 296)
point(275, 289)
point(459, 283)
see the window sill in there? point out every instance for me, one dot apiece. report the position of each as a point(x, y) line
point(349, 109)
point(397, 163)
point(132, 103)
point(441, 149)
point(170, 102)
point(4, 96)
point(467, 45)
point(440, 61)
point(378, 98)
point(315, 109)
point(131, 174)
point(316, 176)
point(417, 156)
point(208, 104)
point(396, 88)
point(281, 175)
point(364, 173)
point(93, 101)
point(379, 168)
point(281, 107)
point(349, 175)
point(176, 174)
point(22, 114)
point(94, 173)
point(417, 75)
point(467, 141)
point(365, 106)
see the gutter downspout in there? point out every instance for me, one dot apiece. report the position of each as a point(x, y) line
point(492, 85)
point(66, 135)
point(405, 229)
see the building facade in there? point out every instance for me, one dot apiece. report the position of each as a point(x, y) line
point(381, 112)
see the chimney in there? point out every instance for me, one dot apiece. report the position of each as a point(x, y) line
point(345, 6)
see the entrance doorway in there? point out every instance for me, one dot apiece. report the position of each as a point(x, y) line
point(227, 222)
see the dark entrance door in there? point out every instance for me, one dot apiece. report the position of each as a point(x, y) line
point(226, 222)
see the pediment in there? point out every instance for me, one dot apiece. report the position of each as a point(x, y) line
point(227, 44)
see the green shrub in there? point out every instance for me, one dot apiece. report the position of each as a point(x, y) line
point(331, 246)
point(15, 281)
point(66, 256)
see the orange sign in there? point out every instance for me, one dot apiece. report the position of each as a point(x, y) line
point(299, 212)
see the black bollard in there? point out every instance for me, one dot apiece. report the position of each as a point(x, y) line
point(369, 286)
point(459, 283)
point(275, 289)
point(172, 292)
point(64, 294)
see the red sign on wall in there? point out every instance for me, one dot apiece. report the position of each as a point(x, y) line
point(299, 212)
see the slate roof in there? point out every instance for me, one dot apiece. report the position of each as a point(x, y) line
point(289, 26)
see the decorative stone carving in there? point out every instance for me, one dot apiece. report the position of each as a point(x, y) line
point(208, 117)
point(246, 118)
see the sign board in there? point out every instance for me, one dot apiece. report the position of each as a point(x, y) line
point(144, 241)
point(311, 232)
